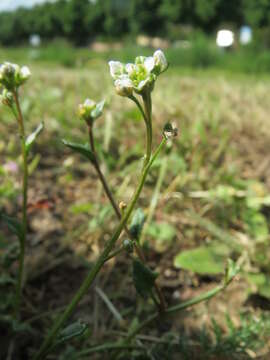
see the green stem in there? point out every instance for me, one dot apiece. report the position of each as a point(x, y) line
point(196, 300)
point(155, 198)
point(24, 205)
point(147, 116)
point(109, 194)
point(100, 174)
point(116, 252)
point(99, 263)
point(106, 347)
point(148, 111)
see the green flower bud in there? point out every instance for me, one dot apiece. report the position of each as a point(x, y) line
point(6, 98)
point(12, 76)
point(90, 110)
point(86, 108)
point(128, 245)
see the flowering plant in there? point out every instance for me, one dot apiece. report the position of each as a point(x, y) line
point(135, 81)
point(12, 77)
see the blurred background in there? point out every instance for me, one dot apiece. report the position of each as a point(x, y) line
point(188, 28)
point(207, 197)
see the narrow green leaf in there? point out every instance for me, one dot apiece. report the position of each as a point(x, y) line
point(32, 137)
point(97, 112)
point(73, 330)
point(231, 271)
point(14, 225)
point(81, 149)
point(143, 278)
point(137, 224)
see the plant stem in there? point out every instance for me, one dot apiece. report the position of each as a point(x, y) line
point(196, 300)
point(148, 111)
point(147, 117)
point(99, 263)
point(114, 253)
point(100, 174)
point(24, 205)
point(109, 194)
point(155, 198)
point(106, 347)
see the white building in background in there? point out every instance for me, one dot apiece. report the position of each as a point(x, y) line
point(225, 38)
point(245, 36)
point(35, 40)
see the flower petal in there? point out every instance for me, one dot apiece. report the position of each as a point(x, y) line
point(116, 69)
point(149, 63)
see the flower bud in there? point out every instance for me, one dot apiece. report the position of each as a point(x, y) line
point(24, 74)
point(170, 131)
point(12, 76)
point(6, 98)
point(124, 86)
point(122, 205)
point(128, 245)
point(86, 108)
point(160, 61)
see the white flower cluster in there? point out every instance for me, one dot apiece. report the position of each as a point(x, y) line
point(12, 75)
point(140, 76)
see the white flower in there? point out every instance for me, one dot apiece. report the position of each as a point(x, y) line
point(116, 69)
point(124, 86)
point(25, 73)
point(149, 63)
point(160, 60)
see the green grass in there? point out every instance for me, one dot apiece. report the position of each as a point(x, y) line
point(201, 53)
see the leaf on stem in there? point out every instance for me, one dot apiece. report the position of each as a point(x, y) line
point(231, 271)
point(81, 149)
point(137, 224)
point(143, 278)
point(97, 112)
point(14, 225)
point(32, 137)
point(73, 330)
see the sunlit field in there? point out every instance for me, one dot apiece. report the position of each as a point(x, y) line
point(207, 198)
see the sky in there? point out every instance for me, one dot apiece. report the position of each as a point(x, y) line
point(9, 5)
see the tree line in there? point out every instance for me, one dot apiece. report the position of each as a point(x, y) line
point(80, 21)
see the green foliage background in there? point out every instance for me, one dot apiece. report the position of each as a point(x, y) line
point(83, 20)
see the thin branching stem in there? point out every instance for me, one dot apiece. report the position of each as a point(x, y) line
point(110, 196)
point(100, 174)
point(46, 345)
point(147, 117)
